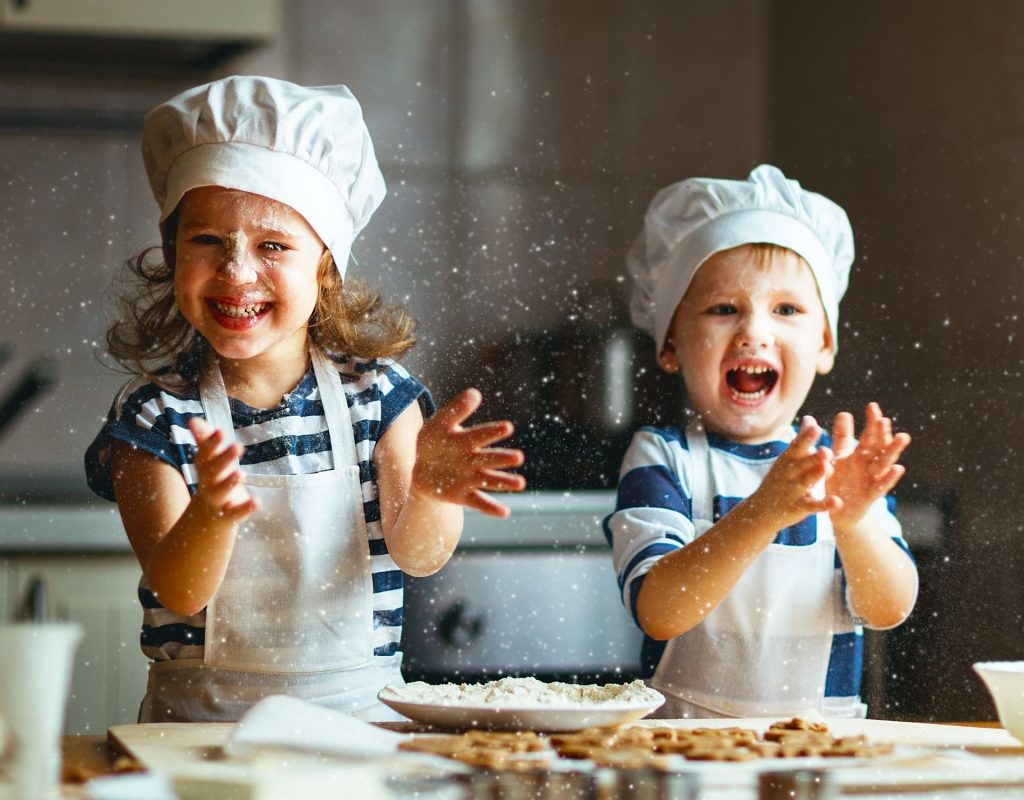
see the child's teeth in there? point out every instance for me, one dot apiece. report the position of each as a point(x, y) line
point(240, 311)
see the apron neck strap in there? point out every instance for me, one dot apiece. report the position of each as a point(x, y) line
point(214, 398)
point(702, 487)
point(218, 411)
point(339, 420)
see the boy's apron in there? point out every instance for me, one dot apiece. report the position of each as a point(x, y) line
point(764, 650)
point(294, 613)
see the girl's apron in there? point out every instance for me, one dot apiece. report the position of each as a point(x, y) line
point(294, 613)
point(765, 648)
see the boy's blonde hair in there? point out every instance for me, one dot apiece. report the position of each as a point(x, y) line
point(151, 334)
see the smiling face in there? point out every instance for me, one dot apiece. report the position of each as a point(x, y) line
point(245, 273)
point(749, 337)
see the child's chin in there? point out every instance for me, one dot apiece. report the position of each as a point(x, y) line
point(750, 428)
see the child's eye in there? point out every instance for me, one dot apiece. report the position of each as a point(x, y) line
point(275, 246)
point(204, 238)
point(722, 309)
point(787, 310)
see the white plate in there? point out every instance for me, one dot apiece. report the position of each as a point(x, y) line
point(543, 719)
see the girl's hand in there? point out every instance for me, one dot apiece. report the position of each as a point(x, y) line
point(219, 487)
point(456, 464)
point(864, 470)
point(785, 495)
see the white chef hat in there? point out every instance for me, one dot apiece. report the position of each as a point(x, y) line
point(690, 221)
point(304, 146)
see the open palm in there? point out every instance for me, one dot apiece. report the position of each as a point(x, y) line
point(864, 469)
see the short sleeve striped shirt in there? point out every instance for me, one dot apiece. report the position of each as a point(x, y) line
point(653, 516)
point(291, 439)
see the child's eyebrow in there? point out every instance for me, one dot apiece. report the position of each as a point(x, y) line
point(275, 231)
point(259, 230)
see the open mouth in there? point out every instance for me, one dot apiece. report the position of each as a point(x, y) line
point(750, 381)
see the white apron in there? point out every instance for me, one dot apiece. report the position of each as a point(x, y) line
point(294, 613)
point(764, 651)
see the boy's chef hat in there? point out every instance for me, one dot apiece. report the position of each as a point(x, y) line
point(690, 221)
point(304, 146)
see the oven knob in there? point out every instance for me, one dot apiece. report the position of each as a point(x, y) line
point(457, 628)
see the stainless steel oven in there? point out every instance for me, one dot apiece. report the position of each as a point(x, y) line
point(534, 594)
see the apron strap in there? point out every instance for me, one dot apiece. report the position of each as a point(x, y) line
point(339, 425)
point(339, 420)
point(214, 398)
point(702, 486)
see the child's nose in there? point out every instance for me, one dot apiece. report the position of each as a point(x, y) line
point(238, 269)
point(754, 330)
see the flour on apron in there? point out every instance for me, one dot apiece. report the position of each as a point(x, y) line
point(765, 648)
point(294, 613)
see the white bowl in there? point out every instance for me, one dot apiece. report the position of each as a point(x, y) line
point(1005, 682)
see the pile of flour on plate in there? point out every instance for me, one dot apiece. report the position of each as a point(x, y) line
point(525, 692)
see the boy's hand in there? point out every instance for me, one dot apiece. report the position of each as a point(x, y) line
point(456, 463)
point(864, 470)
point(784, 496)
point(219, 487)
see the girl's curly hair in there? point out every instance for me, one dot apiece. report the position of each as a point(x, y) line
point(152, 335)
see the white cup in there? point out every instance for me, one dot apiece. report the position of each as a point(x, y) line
point(36, 662)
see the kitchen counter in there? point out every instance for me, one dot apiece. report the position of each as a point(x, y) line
point(60, 528)
point(539, 519)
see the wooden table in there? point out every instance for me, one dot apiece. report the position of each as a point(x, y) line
point(86, 757)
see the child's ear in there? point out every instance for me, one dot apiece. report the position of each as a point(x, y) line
point(667, 358)
point(827, 354)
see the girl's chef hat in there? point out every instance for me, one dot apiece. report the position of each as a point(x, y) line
point(304, 146)
point(690, 221)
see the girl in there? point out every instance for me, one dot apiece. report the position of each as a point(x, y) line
point(275, 475)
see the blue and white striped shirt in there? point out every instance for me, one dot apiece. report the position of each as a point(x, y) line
point(653, 516)
point(291, 439)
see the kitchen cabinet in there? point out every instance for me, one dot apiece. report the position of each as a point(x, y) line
point(51, 316)
point(99, 593)
point(227, 20)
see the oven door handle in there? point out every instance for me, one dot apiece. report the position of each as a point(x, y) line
point(458, 627)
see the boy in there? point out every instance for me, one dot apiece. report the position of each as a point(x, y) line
point(749, 552)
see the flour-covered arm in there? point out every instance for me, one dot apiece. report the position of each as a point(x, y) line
point(428, 471)
point(684, 583)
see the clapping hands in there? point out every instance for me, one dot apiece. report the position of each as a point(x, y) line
point(786, 495)
point(855, 472)
point(219, 485)
point(457, 464)
point(864, 469)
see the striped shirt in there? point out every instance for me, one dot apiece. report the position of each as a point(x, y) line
point(653, 516)
point(291, 439)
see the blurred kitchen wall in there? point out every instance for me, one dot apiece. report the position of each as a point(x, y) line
point(521, 142)
point(910, 115)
